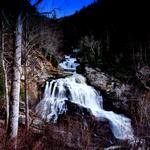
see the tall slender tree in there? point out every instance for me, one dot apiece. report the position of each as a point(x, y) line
point(15, 88)
point(4, 70)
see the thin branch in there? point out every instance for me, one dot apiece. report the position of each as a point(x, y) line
point(37, 3)
point(5, 18)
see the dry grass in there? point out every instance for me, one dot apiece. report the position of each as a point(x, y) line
point(70, 133)
point(141, 121)
point(67, 134)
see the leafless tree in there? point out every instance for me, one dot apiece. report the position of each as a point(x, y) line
point(15, 87)
point(16, 79)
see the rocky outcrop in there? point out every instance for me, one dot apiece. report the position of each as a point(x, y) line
point(119, 95)
point(76, 129)
point(39, 70)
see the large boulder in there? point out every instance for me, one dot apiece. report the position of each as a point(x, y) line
point(117, 94)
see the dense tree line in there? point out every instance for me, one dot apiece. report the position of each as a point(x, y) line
point(122, 27)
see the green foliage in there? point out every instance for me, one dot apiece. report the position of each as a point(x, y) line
point(22, 92)
point(90, 51)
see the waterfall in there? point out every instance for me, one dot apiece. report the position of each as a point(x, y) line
point(69, 63)
point(75, 89)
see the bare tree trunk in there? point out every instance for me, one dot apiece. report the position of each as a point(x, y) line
point(4, 67)
point(2, 90)
point(15, 87)
point(26, 96)
point(6, 94)
point(26, 77)
point(1, 54)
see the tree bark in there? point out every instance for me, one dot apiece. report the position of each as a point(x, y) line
point(4, 68)
point(15, 87)
point(26, 76)
point(26, 97)
point(2, 90)
point(6, 94)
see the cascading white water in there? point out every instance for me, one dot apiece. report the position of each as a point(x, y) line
point(69, 64)
point(75, 89)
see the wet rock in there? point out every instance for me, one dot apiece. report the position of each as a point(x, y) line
point(74, 109)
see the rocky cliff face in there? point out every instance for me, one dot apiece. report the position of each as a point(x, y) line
point(120, 96)
point(39, 69)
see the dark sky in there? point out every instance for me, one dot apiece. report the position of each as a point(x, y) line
point(64, 7)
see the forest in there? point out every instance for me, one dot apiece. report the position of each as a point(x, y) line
point(79, 82)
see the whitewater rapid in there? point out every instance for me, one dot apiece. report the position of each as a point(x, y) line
point(75, 89)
